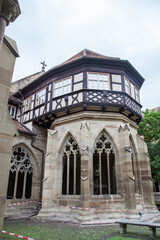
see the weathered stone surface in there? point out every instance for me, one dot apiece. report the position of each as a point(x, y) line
point(85, 128)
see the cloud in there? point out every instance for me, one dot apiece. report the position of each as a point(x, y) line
point(55, 30)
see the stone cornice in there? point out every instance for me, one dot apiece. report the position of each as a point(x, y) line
point(9, 10)
point(108, 116)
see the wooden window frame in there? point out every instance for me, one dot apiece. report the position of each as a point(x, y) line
point(35, 103)
point(63, 79)
point(27, 106)
point(126, 79)
point(136, 89)
point(99, 73)
point(10, 110)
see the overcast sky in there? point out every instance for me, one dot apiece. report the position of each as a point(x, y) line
point(55, 30)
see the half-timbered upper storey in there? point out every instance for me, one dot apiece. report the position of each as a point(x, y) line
point(87, 81)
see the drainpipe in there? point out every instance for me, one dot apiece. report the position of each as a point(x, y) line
point(42, 169)
point(21, 105)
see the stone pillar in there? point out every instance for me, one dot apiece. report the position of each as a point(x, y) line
point(9, 11)
point(146, 176)
point(3, 24)
point(85, 190)
point(51, 177)
point(126, 165)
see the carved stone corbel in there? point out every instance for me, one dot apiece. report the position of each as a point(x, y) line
point(128, 149)
point(84, 125)
point(124, 127)
point(52, 132)
point(9, 10)
point(132, 177)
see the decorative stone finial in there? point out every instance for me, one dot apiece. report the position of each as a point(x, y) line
point(9, 10)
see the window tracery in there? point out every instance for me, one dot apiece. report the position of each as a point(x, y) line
point(21, 171)
point(104, 166)
point(71, 167)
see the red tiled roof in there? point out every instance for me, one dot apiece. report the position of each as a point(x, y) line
point(156, 109)
point(21, 128)
point(87, 53)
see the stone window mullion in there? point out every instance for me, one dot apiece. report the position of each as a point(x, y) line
point(68, 165)
point(15, 186)
point(24, 184)
point(75, 167)
point(108, 170)
point(100, 173)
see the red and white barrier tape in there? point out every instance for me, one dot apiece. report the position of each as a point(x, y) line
point(16, 235)
point(98, 209)
point(22, 203)
point(79, 208)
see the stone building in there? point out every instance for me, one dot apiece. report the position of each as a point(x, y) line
point(80, 146)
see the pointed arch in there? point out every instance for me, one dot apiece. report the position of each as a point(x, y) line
point(21, 173)
point(104, 170)
point(97, 135)
point(135, 166)
point(71, 166)
point(67, 134)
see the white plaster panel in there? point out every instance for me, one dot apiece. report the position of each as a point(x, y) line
point(78, 77)
point(116, 78)
point(116, 87)
point(78, 86)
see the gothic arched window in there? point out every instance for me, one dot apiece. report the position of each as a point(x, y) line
point(104, 175)
point(20, 176)
point(71, 167)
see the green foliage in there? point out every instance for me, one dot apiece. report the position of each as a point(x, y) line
point(150, 129)
point(150, 126)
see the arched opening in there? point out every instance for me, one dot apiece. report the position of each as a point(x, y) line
point(21, 173)
point(71, 167)
point(104, 175)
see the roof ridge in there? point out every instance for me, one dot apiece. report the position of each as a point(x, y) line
point(87, 53)
point(26, 77)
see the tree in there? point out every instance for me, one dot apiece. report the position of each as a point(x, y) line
point(150, 129)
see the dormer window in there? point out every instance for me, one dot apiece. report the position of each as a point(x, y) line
point(40, 97)
point(98, 81)
point(12, 111)
point(62, 87)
